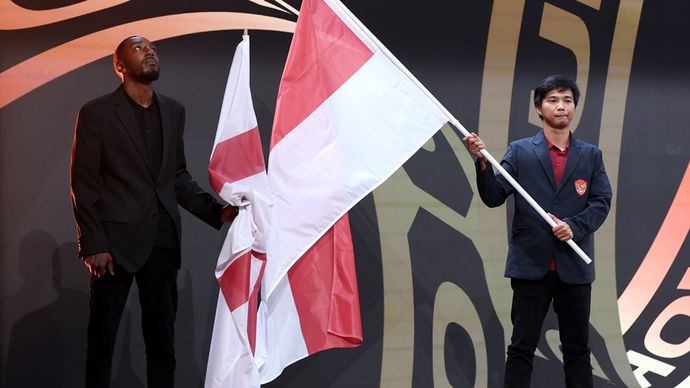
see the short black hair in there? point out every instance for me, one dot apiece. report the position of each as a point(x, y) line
point(556, 81)
point(121, 46)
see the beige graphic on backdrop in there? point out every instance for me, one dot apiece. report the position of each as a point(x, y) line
point(494, 123)
point(398, 200)
point(287, 8)
point(494, 118)
point(44, 67)
point(610, 139)
point(567, 30)
point(15, 17)
point(650, 276)
point(671, 235)
point(397, 203)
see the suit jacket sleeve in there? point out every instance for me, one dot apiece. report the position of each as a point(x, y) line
point(493, 188)
point(86, 184)
point(189, 195)
point(598, 202)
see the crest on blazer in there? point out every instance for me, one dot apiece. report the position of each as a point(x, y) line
point(581, 186)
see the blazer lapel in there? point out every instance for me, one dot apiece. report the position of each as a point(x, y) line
point(542, 153)
point(124, 113)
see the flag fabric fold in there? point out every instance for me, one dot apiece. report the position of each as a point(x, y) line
point(237, 173)
point(315, 307)
point(347, 117)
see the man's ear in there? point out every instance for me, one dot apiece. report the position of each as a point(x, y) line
point(117, 64)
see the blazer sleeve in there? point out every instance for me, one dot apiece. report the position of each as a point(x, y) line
point(86, 184)
point(598, 202)
point(493, 188)
point(189, 195)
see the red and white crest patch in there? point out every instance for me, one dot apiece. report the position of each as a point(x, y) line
point(581, 186)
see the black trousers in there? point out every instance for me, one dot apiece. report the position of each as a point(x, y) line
point(157, 283)
point(531, 300)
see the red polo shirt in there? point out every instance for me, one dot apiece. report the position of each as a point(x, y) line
point(558, 159)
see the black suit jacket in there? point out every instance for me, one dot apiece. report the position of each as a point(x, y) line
point(114, 192)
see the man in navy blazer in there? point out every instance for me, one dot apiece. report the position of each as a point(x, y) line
point(566, 176)
point(128, 175)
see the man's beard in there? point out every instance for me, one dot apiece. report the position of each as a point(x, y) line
point(147, 76)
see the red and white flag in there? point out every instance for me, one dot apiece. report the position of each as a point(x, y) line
point(237, 173)
point(346, 119)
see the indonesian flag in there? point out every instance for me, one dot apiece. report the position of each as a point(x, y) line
point(237, 173)
point(347, 117)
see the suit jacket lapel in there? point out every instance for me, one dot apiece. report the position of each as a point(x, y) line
point(539, 143)
point(124, 113)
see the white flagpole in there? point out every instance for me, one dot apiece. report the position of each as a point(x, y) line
point(341, 7)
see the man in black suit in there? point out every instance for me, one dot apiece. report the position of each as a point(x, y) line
point(128, 174)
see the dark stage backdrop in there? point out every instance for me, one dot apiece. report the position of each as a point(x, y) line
point(430, 256)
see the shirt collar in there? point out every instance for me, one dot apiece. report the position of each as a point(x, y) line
point(550, 145)
point(138, 108)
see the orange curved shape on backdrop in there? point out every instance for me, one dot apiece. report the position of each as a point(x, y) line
point(14, 17)
point(57, 61)
point(659, 258)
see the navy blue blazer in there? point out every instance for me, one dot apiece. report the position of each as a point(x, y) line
point(582, 200)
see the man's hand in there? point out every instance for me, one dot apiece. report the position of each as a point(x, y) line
point(99, 263)
point(475, 145)
point(228, 214)
point(562, 230)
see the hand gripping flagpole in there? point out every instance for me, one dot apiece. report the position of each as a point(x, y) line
point(358, 24)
